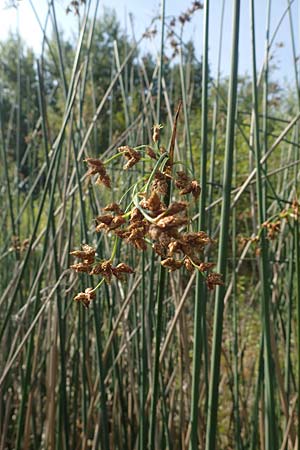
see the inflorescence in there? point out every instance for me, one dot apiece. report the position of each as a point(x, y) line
point(150, 219)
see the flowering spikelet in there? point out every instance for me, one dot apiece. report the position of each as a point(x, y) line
point(131, 155)
point(81, 267)
point(156, 132)
point(204, 266)
point(174, 208)
point(85, 297)
point(188, 265)
point(171, 222)
point(96, 166)
point(108, 222)
point(213, 279)
point(187, 186)
point(151, 153)
point(121, 269)
point(114, 207)
point(137, 230)
point(171, 264)
point(153, 203)
point(87, 254)
point(273, 228)
point(160, 183)
point(104, 269)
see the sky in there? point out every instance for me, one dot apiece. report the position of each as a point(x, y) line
point(144, 10)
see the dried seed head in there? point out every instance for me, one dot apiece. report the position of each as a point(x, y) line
point(81, 267)
point(187, 186)
point(138, 243)
point(203, 267)
point(197, 5)
point(171, 264)
point(171, 222)
point(198, 240)
point(182, 180)
point(153, 203)
point(174, 247)
point(117, 222)
point(156, 132)
point(196, 189)
point(85, 297)
point(105, 218)
point(213, 279)
point(150, 152)
point(175, 208)
point(97, 167)
point(131, 155)
point(159, 249)
point(104, 269)
point(160, 183)
point(87, 254)
point(189, 265)
point(114, 207)
point(121, 269)
point(154, 232)
point(136, 216)
point(105, 180)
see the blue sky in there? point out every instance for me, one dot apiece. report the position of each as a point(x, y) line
point(144, 10)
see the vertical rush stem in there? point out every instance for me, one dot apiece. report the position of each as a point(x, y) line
point(200, 286)
point(235, 350)
point(214, 125)
point(161, 62)
point(270, 427)
point(162, 271)
point(224, 235)
point(297, 255)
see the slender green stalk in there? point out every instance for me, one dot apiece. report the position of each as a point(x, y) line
point(161, 272)
point(297, 270)
point(214, 125)
point(211, 429)
point(265, 99)
point(200, 297)
point(270, 431)
point(185, 111)
point(236, 405)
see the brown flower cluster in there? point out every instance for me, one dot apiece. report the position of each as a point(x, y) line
point(96, 166)
point(152, 221)
point(131, 155)
point(107, 270)
point(150, 33)
point(19, 246)
point(296, 208)
point(74, 6)
point(156, 133)
point(86, 297)
point(87, 257)
point(186, 185)
point(89, 264)
point(273, 228)
point(184, 17)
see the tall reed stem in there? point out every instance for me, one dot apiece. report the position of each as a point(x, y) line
point(211, 429)
point(200, 296)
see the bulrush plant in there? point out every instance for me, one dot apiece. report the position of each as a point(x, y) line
point(149, 219)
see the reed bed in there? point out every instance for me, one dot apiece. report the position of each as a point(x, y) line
point(150, 247)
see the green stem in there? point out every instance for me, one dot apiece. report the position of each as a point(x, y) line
point(211, 430)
